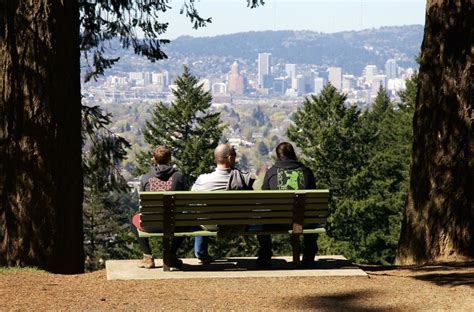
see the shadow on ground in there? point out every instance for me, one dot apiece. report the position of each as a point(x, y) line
point(346, 301)
point(246, 264)
point(441, 274)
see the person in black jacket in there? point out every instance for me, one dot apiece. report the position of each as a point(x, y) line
point(287, 174)
point(161, 178)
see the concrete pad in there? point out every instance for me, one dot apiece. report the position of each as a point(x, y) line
point(232, 268)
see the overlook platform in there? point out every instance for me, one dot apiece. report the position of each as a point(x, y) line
point(241, 267)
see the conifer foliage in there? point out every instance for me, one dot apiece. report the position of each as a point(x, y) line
point(107, 198)
point(363, 158)
point(187, 126)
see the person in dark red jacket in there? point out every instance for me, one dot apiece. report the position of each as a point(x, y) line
point(287, 174)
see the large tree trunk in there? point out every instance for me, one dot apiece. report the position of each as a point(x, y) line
point(40, 136)
point(439, 214)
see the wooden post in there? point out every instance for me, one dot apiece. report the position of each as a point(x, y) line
point(298, 222)
point(168, 229)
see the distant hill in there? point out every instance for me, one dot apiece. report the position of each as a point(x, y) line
point(351, 50)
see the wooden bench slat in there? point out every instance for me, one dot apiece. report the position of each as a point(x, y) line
point(232, 215)
point(317, 230)
point(235, 222)
point(308, 206)
point(147, 203)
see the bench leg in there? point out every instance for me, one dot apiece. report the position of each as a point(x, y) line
point(295, 246)
point(166, 252)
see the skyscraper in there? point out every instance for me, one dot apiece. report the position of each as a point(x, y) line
point(391, 69)
point(263, 67)
point(290, 70)
point(369, 72)
point(236, 81)
point(318, 85)
point(335, 77)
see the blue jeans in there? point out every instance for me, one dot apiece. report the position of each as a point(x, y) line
point(201, 244)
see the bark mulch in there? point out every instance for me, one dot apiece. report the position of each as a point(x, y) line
point(444, 287)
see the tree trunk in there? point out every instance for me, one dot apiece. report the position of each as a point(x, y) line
point(438, 224)
point(41, 186)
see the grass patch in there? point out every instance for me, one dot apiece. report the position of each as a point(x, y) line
point(17, 269)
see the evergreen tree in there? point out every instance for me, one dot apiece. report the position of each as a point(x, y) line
point(243, 163)
point(363, 160)
point(263, 149)
point(328, 134)
point(259, 118)
point(380, 187)
point(187, 127)
point(107, 198)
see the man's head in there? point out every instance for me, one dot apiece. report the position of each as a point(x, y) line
point(162, 155)
point(285, 151)
point(224, 156)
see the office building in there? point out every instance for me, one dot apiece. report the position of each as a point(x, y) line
point(236, 80)
point(263, 68)
point(369, 72)
point(391, 69)
point(290, 70)
point(335, 77)
point(318, 85)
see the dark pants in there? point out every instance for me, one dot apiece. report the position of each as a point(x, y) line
point(310, 241)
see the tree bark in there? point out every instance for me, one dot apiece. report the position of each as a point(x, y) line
point(438, 224)
point(41, 186)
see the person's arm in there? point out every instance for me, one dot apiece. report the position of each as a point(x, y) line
point(197, 185)
point(266, 181)
point(180, 184)
point(311, 181)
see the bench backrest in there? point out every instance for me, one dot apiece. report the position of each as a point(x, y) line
point(233, 207)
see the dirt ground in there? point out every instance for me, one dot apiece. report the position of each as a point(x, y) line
point(445, 287)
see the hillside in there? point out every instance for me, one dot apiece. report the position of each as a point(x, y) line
point(352, 50)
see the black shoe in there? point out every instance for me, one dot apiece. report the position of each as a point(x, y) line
point(206, 259)
point(174, 262)
point(308, 261)
point(264, 262)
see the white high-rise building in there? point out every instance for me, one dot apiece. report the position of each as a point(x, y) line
point(318, 85)
point(290, 70)
point(377, 82)
point(298, 84)
point(391, 69)
point(263, 67)
point(348, 82)
point(160, 80)
point(369, 72)
point(335, 77)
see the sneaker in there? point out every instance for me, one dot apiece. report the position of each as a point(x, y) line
point(174, 262)
point(264, 262)
point(206, 259)
point(148, 262)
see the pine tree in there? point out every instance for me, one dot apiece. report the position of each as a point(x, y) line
point(187, 127)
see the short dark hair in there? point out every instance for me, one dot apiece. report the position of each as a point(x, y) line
point(284, 151)
point(162, 155)
point(223, 151)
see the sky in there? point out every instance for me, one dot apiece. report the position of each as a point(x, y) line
point(232, 16)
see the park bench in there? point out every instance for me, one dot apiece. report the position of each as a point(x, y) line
point(169, 210)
